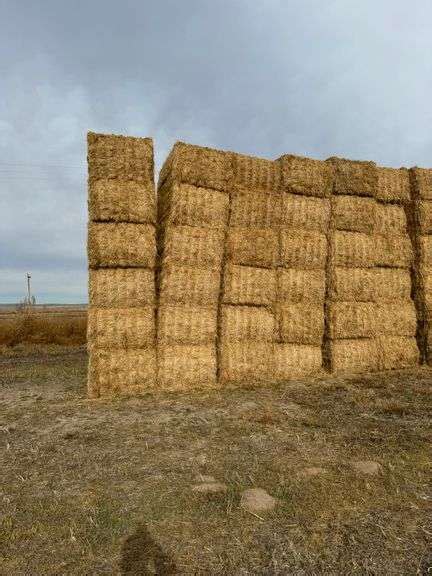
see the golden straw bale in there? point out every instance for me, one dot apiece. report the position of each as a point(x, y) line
point(255, 208)
point(296, 361)
point(252, 247)
point(190, 205)
point(199, 166)
point(396, 318)
point(352, 284)
point(305, 212)
point(425, 216)
point(183, 367)
point(397, 352)
point(393, 185)
point(121, 327)
point(248, 285)
point(189, 285)
point(120, 157)
point(390, 219)
point(425, 274)
point(423, 182)
point(300, 285)
point(354, 356)
point(256, 173)
point(354, 177)
point(393, 251)
point(303, 249)
point(252, 323)
point(352, 249)
point(306, 176)
point(121, 287)
point(301, 323)
point(247, 362)
point(121, 245)
point(351, 320)
point(121, 201)
point(425, 251)
point(186, 325)
point(354, 213)
point(115, 372)
point(391, 284)
point(193, 246)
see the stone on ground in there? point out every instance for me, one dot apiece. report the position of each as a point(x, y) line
point(366, 466)
point(313, 471)
point(209, 488)
point(257, 500)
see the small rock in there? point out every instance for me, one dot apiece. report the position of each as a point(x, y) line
point(204, 478)
point(313, 471)
point(209, 488)
point(257, 500)
point(366, 466)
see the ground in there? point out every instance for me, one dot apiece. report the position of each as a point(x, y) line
point(105, 487)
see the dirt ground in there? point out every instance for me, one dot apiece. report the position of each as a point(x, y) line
point(105, 487)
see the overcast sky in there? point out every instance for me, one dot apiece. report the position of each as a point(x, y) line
point(265, 77)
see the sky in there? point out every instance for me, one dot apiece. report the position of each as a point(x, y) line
point(261, 77)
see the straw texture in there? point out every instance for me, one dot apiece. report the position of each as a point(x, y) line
point(354, 214)
point(255, 208)
point(303, 212)
point(354, 177)
point(352, 320)
point(121, 287)
point(353, 250)
point(301, 323)
point(296, 361)
point(300, 285)
point(241, 323)
point(352, 284)
point(248, 285)
point(193, 246)
point(306, 176)
point(390, 220)
point(354, 356)
point(397, 352)
point(247, 362)
point(393, 185)
point(425, 216)
point(423, 182)
point(391, 284)
point(121, 201)
point(183, 367)
point(123, 328)
point(256, 173)
point(252, 246)
point(303, 249)
point(396, 318)
point(189, 285)
point(393, 251)
point(187, 325)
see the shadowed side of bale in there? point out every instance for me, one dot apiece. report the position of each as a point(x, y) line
point(249, 285)
point(181, 367)
point(121, 287)
point(296, 361)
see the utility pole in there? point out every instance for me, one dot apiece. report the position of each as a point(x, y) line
point(29, 300)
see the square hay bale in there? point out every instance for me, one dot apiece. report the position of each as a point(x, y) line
point(393, 251)
point(393, 185)
point(248, 285)
point(296, 285)
point(121, 287)
point(425, 251)
point(186, 325)
point(255, 208)
point(396, 319)
point(247, 362)
point(352, 249)
point(351, 320)
point(303, 249)
point(256, 173)
point(189, 285)
point(397, 352)
point(199, 166)
point(305, 212)
point(425, 290)
point(193, 246)
point(390, 219)
point(118, 372)
point(353, 213)
point(306, 176)
point(121, 328)
point(423, 182)
point(185, 204)
point(354, 356)
point(352, 284)
point(121, 201)
point(391, 284)
point(120, 158)
point(240, 323)
point(354, 177)
point(253, 247)
point(424, 215)
point(183, 367)
point(121, 245)
point(301, 323)
point(294, 361)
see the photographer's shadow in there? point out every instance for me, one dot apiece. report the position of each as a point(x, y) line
point(142, 556)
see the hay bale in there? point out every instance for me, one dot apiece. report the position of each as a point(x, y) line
point(424, 216)
point(121, 201)
point(303, 249)
point(248, 285)
point(120, 158)
point(252, 247)
point(352, 249)
point(351, 320)
point(351, 284)
point(189, 285)
point(193, 246)
point(390, 219)
point(186, 325)
point(295, 285)
point(425, 251)
point(121, 245)
point(397, 352)
point(301, 323)
point(184, 367)
point(393, 251)
point(121, 287)
point(354, 356)
point(425, 277)
point(255, 208)
point(391, 284)
point(393, 185)
point(256, 173)
point(295, 361)
point(247, 362)
point(305, 212)
point(422, 178)
point(114, 372)
point(396, 318)
point(121, 328)
point(185, 204)
point(353, 214)
point(306, 176)
point(199, 166)
point(354, 177)
point(239, 323)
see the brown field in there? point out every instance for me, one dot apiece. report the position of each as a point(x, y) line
point(104, 487)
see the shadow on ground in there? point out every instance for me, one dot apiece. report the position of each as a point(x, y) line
point(142, 556)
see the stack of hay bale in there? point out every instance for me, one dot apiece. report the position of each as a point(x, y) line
point(121, 255)
point(306, 186)
point(193, 211)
